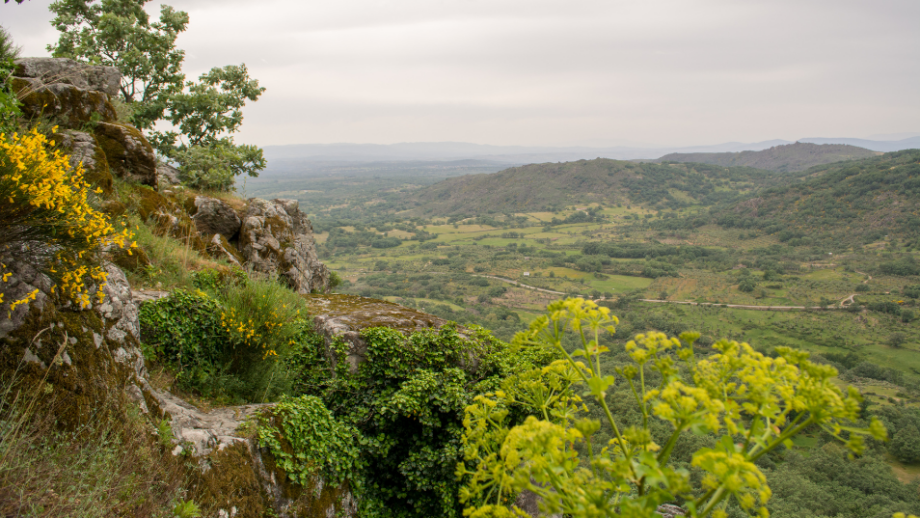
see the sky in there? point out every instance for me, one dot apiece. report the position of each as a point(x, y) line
point(553, 72)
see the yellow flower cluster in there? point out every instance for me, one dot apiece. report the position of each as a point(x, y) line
point(44, 192)
point(250, 333)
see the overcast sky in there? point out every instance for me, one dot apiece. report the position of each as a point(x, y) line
point(553, 72)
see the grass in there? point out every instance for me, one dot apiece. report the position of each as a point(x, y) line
point(110, 466)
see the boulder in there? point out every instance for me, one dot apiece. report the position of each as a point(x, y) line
point(241, 477)
point(128, 153)
point(25, 278)
point(220, 248)
point(338, 316)
point(213, 216)
point(276, 237)
point(82, 148)
point(66, 104)
point(67, 71)
point(167, 175)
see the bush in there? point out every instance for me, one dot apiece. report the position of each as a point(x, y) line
point(47, 215)
point(905, 445)
point(588, 462)
point(386, 242)
point(215, 166)
point(233, 343)
point(747, 284)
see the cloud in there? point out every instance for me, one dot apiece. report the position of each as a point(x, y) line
point(554, 71)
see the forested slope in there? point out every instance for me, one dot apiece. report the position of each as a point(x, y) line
point(788, 158)
point(850, 202)
point(550, 186)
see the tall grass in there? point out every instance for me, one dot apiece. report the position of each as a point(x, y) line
point(108, 467)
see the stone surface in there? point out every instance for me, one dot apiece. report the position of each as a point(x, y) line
point(213, 216)
point(220, 248)
point(25, 279)
point(128, 153)
point(344, 316)
point(167, 175)
point(65, 104)
point(276, 237)
point(82, 148)
point(67, 71)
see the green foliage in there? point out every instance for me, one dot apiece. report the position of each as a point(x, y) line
point(232, 342)
point(209, 108)
point(401, 410)
point(747, 284)
point(905, 445)
point(552, 453)
point(9, 102)
point(186, 509)
point(840, 197)
point(119, 33)
point(310, 442)
point(215, 166)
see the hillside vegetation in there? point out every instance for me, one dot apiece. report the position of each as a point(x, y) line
point(787, 158)
point(850, 203)
point(539, 187)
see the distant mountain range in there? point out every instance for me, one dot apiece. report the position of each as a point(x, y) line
point(786, 158)
point(532, 154)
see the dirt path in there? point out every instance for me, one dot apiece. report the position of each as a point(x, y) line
point(839, 305)
point(738, 306)
point(521, 285)
point(868, 277)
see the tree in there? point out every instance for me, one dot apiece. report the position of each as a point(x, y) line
point(209, 108)
point(896, 340)
point(119, 33)
point(905, 445)
point(593, 465)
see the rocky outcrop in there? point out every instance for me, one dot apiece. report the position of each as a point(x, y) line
point(213, 216)
point(83, 148)
point(24, 279)
point(167, 175)
point(71, 93)
point(238, 474)
point(342, 317)
point(276, 237)
point(67, 71)
point(128, 153)
point(220, 248)
point(76, 96)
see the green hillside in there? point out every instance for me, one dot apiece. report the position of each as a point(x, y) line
point(551, 186)
point(857, 202)
point(788, 158)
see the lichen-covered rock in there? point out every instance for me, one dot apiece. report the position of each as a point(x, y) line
point(82, 148)
point(235, 473)
point(213, 216)
point(24, 280)
point(128, 153)
point(67, 71)
point(342, 317)
point(220, 248)
point(167, 175)
point(65, 104)
point(276, 237)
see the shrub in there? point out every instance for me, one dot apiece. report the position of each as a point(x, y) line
point(234, 343)
point(750, 404)
point(905, 445)
point(215, 166)
point(47, 216)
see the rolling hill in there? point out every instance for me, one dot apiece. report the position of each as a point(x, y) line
point(847, 203)
point(787, 158)
point(549, 186)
